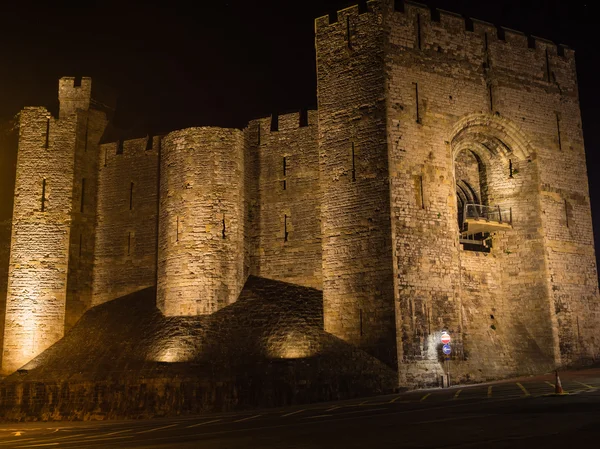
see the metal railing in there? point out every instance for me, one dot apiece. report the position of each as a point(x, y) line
point(487, 213)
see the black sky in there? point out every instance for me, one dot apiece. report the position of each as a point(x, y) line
point(225, 62)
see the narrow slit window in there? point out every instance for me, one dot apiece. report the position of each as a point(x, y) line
point(348, 32)
point(47, 142)
point(120, 146)
point(284, 184)
point(567, 213)
point(491, 97)
point(418, 112)
point(43, 208)
point(105, 155)
point(223, 232)
point(85, 142)
point(422, 192)
point(177, 230)
point(558, 131)
point(129, 244)
point(360, 320)
point(547, 66)
point(82, 205)
point(285, 228)
point(131, 196)
point(353, 164)
point(80, 248)
point(419, 31)
point(284, 166)
point(510, 168)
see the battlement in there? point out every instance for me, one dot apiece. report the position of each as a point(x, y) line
point(284, 122)
point(409, 12)
point(77, 93)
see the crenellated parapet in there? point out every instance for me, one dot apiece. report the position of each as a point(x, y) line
point(433, 36)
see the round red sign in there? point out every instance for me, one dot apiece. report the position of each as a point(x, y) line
point(445, 338)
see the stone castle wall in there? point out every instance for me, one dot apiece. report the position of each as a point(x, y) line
point(201, 232)
point(89, 129)
point(497, 94)
point(35, 308)
point(358, 199)
point(125, 244)
point(285, 208)
point(358, 296)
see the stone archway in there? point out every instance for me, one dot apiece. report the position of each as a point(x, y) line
point(505, 311)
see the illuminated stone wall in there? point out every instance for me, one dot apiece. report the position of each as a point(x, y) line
point(35, 309)
point(358, 296)
point(49, 282)
point(285, 199)
point(201, 221)
point(358, 200)
point(125, 244)
point(448, 86)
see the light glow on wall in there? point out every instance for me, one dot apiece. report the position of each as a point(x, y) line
point(293, 344)
point(175, 349)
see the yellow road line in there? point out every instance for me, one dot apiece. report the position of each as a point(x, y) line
point(523, 388)
point(489, 395)
point(394, 400)
point(457, 394)
point(426, 396)
point(553, 386)
point(585, 385)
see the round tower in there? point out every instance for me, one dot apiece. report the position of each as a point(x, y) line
point(201, 221)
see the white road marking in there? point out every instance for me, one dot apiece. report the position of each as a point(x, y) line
point(20, 441)
point(456, 418)
point(363, 411)
point(106, 434)
point(246, 419)
point(293, 413)
point(202, 423)
point(41, 445)
point(156, 428)
point(70, 436)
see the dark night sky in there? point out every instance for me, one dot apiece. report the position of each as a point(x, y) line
point(225, 62)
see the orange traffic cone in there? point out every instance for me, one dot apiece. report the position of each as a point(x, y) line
point(558, 389)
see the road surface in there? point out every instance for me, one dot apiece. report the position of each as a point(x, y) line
point(520, 413)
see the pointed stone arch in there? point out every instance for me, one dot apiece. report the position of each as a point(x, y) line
point(490, 136)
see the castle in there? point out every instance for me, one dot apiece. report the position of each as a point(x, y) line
point(440, 186)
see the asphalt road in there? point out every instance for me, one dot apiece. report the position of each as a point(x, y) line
point(520, 413)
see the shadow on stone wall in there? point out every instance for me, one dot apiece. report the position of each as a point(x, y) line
point(123, 359)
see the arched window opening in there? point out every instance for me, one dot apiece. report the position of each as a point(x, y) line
point(476, 218)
